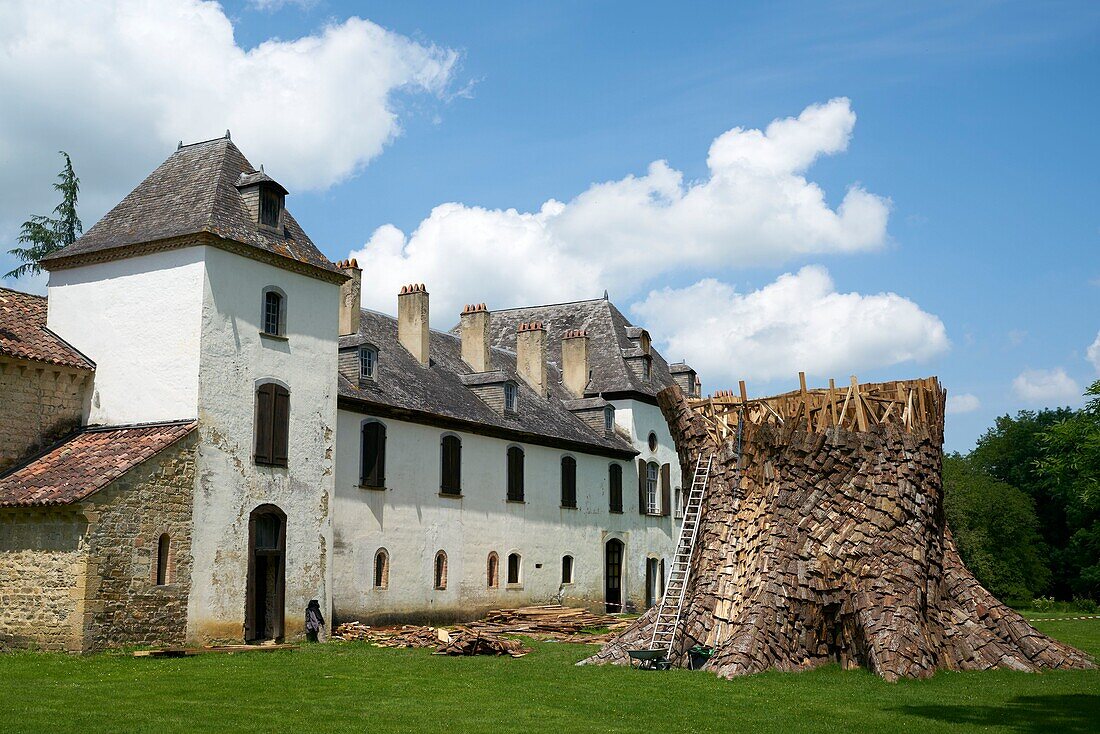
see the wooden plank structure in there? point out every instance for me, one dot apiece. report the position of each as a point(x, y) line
point(822, 540)
point(911, 405)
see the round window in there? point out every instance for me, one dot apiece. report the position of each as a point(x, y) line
point(652, 441)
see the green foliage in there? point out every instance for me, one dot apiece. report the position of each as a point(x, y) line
point(996, 530)
point(42, 236)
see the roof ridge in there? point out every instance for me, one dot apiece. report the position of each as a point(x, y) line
point(133, 426)
point(548, 305)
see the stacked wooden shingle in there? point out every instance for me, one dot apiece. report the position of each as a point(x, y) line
point(827, 543)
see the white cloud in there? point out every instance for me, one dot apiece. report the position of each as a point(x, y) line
point(799, 322)
point(273, 5)
point(1037, 386)
point(964, 403)
point(117, 82)
point(1094, 352)
point(755, 207)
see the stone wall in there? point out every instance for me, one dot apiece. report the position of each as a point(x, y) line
point(125, 522)
point(41, 403)
point(41, 578)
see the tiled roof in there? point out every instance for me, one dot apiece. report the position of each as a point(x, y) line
point(194, 191)
point(609, 342)
point(441, 390)
point(86, 463)
point(23, 332)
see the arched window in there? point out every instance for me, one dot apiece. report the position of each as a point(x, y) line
point(274, 312)
point(381, 568)
point(513, 568)
point(615, 482)
point(164, 566)
point(272, 424)
point(568, 482)
point(372, 469)
point(440, 570)
point(492, 571)
point(567, 569)
point(515, 474)
point(450, 459)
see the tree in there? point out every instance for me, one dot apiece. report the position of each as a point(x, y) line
point(1071, 464)
point(996, 531)
point(41, 235)
point(1010, 452)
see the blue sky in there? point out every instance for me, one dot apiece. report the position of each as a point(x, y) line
point(977, 122)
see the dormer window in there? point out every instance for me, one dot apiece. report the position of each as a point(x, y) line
point(271, 206)
point(510, 397)
point(368, 363)
point(609, 419)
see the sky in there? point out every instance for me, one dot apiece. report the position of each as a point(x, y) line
point(882, 189)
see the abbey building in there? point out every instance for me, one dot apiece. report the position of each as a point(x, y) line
point(201, 431)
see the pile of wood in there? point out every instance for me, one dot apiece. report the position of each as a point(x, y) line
point(549, 619)
point(404, 636)
point(824, 541)
point(470, 642)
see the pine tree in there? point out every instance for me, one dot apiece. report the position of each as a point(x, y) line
point(42, 236)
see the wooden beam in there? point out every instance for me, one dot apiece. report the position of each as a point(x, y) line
point(805, 401)
point(861, 419)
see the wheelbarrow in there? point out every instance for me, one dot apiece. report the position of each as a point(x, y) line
point(649, 659)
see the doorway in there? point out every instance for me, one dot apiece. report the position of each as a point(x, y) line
point(613, 576)
point(651, 578)
point(264, 606)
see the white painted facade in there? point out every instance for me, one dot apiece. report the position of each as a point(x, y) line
point(177, 335)
point(235, 359)
point(139, 319)
point(411, 520)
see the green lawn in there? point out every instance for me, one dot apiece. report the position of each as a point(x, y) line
point(357, 687)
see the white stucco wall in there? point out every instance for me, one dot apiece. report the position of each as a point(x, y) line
point(139, 320)
point(412, 521)
point(234, 357)
point(636, 420)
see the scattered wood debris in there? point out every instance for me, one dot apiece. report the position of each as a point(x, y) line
point(404, 636)
point(470, 642)
point(186, 652)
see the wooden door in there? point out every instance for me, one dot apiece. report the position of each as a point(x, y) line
point(613, 576)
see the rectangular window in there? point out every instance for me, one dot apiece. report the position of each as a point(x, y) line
point(271, 202)
point(515, 474)
point(609, 419)
point(510, 397)
point(679, 502)
point(652, 495)
point(568, 482)
point(373, 470)
point(450, 465)
point(273, 313)
point(272, 424)
point(367, 361)
point(615, 480)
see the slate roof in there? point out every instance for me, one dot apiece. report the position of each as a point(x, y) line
point(23, 332)
point(194, 191)
point(85, 463)
point(439, 391)
point(609, 342)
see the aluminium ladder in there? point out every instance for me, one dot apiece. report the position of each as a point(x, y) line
point(668, 614)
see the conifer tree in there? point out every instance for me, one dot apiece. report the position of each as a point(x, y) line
point(42, 235)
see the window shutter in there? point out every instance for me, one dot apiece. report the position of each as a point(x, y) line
point(641, 486)
point(280, 425)
point(451, 465)
point(666, 489)
point(265, 399)
point(373, 470)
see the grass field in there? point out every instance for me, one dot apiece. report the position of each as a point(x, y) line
point(357, 687)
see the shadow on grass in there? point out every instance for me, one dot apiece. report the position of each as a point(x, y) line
point(1077, 712)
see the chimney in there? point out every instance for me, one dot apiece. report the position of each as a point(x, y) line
point(474, 327)
point(412, 320)
point(574, 361)
point(531, 355)
point(349, 296)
